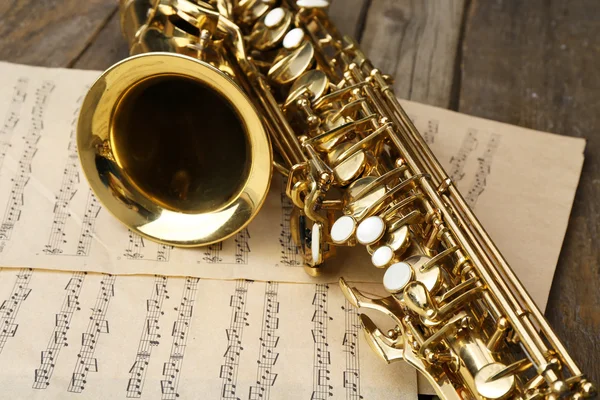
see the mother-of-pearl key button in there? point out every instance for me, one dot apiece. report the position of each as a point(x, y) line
point(274, 17)
point(315, 244)
point(397, 276)
point(382, 256)
point(370, 230)
point(343, 229)
point(312, 3)
point(293, 38)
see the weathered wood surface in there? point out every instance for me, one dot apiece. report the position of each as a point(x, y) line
point(535, 64)
point(108, 48)
point(52, 33)
point(349, 16)
point(530, 63)
point(416, 41)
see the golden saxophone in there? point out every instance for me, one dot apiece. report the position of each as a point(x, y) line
point(176, 143)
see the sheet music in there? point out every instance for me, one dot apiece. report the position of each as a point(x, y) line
point(73, 335)
point(520, 182)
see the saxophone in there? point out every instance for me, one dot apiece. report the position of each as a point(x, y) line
point(176, 141)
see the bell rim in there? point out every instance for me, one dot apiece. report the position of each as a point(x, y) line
point(158, 223)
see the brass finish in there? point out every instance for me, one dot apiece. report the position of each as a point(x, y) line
point(176, 143)
point(174, 149)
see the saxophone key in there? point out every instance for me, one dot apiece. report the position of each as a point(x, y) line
point(417, 298)
point(431, 276)
point(397, 276)
point(290, 67)
point(270, 29)
point(495, 389)
point(382, 257)
point(350, 168)
point(388, 349)
point(316, 243)
point(314, 81)
point(313, 3)
point(293, 38)
point(343, 229)
point(358, 205)
point(249, 11)
point(370, 230)
point(398, 239)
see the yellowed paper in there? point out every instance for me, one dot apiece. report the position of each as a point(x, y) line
point(520, 182)
point(51, 219)
point(75, 335)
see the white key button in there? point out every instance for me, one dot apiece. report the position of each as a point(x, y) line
point(293, 38)
point(312, 3)
point(397, 277)
point(370, 230)
point(315, 245)
point(382, 256)
point(274, 17)
point(343, 229)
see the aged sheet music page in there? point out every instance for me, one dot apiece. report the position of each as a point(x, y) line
point(76, 335)
point(520, 182)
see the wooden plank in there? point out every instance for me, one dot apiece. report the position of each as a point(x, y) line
point(535, 64)
point(349, 16)
point(108, 48)
point(51, 33)
point(415, 41)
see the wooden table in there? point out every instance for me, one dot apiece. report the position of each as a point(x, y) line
point(531, 63)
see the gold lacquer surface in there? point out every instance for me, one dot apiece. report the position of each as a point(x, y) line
point(180, 157)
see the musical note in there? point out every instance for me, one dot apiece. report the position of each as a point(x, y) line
point(92, 209)
point(431, 132)
point(58, 338)
point(483, 170)
point(135, 245)
point(13, 116)
point(458, 162)
point(212, 252)
point(267, 358)
point(351, 374)
point(172, 368)
point(140, 249)
point(68, 189)
point(150, 337)
point(242, 246)
point(163, 254)
point(231, 358)
point(231, 251)
point(97, 325)
point(322, 388)
point(290, 253)
point(9, 309)
point(115, 351)
point(16, 199)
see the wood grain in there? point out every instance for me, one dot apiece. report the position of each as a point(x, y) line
point(349, 16)
point(535, 64)
point(415, 41)
point(51, 33)
point(108, 48)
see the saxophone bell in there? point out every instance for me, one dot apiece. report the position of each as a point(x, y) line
point(174, 149)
